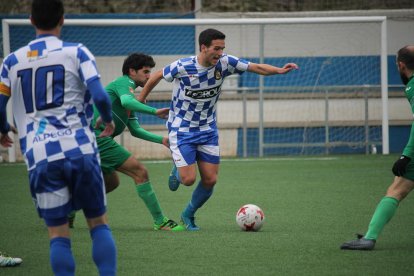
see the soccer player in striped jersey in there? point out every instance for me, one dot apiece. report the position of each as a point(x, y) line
point(403, 168)
point(192, 124)
point(52, 85)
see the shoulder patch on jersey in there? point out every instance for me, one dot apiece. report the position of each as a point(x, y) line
point(33, 53)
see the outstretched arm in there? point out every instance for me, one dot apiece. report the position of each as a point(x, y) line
point(129, 102)
point(267, 69)
point(137, 131)
point(151, 83)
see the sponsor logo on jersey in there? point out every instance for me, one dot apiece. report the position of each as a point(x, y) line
point(52, 135)
point(217, 74)
point(203, 94)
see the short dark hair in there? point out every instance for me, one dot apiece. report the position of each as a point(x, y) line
point(46, 14)
point(406, 56)
point(208, 35)
point(137, 61)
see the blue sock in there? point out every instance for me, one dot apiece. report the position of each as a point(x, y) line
point(61, 257)
point(103, 250)
point(199, 197)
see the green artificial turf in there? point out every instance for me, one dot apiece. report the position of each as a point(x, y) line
point(311, 204)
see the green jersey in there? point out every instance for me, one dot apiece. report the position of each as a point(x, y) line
point(124, 105)
point(409, 93)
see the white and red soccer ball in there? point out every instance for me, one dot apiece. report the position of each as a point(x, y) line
point(250, 217)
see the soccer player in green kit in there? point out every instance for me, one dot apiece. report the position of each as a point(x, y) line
point(403, 168)
point(114, 157)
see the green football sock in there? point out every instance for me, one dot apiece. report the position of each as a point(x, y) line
point(385, 211)
point(147, 194)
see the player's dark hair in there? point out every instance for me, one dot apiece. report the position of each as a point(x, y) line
point(136, 61)
point(46, 14)
point(406, 56)
point(207, 36)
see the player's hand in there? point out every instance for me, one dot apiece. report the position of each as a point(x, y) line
point(109, 129)
point(166, 141)
point(400, 166)
point(163, 112)
point(5, 140)
point(289, 67)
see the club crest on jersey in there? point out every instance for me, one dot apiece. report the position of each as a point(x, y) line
point(217, 74)
point(203, 94)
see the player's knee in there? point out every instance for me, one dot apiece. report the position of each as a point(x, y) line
point(141, 175)
point(111, 182)
point(398, 192)
point(94, 222)
point(188, 180)
point(110, 186)
point(209, 181)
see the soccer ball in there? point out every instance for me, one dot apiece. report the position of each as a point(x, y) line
point(250, 217)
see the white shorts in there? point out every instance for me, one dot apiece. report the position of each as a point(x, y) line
point(189, 147)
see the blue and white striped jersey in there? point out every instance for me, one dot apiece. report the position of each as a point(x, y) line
point(196, 90)
point(52, 107)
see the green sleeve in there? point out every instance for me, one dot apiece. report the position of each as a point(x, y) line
point(409, 148)
point(124, 88)
point(129, 102)
point(409, 93)
point(137, 131)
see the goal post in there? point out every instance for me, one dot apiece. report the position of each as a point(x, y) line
point(248, 106)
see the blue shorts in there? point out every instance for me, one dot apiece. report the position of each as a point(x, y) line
point(189, 147)
point(62, 186)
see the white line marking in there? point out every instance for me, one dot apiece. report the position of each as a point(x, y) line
point(276, 159)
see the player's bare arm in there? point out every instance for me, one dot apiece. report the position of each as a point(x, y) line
point(151, 83)
point(267, 69)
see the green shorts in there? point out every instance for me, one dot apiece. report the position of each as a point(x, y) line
point(410, 171)
point(113, 155)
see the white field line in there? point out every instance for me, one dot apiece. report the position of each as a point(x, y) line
point(276, 159)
